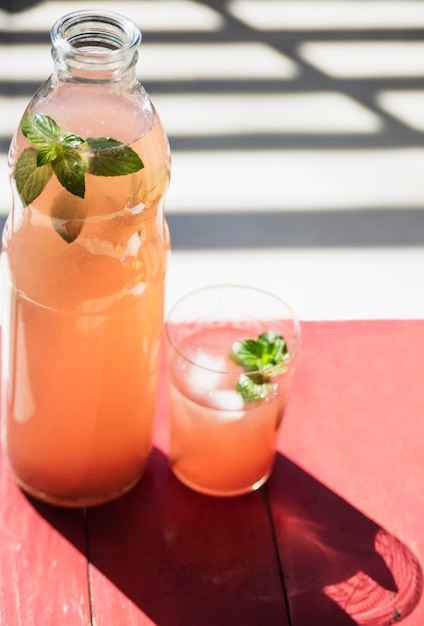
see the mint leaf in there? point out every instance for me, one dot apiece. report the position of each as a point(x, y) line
point(112, 158)
point(69, 231)
point(69, 167)
point(46, 126)
point(247, 353)
point(274, 348)
point(256, 354)
point(69, 140)
point(39, 129)
point(47, 153)
point(30, 178)
point(102, 143)
point(259, 355)
point(253, 388)
point(68, 215)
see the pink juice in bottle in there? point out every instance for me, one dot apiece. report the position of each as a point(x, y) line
point(83, 321)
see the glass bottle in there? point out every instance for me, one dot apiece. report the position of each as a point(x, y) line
point(84, 254)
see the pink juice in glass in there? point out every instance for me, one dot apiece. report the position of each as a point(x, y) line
point(219, 443)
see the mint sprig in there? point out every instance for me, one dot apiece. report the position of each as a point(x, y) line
point(67, 156)
point(257, 357)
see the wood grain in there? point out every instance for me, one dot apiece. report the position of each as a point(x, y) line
point(43, 569)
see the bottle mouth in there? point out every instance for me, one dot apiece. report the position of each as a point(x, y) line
point(87, 39)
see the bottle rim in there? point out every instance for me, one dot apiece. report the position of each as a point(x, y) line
point(88, 38)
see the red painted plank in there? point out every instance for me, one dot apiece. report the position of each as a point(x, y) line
point(43, 570)
point(166, 555)
point(346, 490)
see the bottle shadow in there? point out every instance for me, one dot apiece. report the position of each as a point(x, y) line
point(340, 566)
point(183, 558)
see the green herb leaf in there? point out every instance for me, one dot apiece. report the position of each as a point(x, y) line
point(69, 140)
point(47, 153)
point(30, 178)
point(103, 143)
point(257, 355)
point(112, 158)
point(247, 353)
point(253, 388)
point(68, 215)
point(69, 168)
point(69, 156)
point(39, 129)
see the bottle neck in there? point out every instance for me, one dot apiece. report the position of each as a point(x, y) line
point(93, 47)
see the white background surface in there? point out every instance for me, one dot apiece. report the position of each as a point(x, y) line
point(360, 172)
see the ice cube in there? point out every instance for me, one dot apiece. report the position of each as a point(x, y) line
point(201, 381)
point(208, 376)
point(210, 361)
point(229, 404)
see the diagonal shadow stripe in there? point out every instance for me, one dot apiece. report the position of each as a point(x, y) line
point(379, 228)
point(356, 229)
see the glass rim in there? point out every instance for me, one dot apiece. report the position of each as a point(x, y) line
point(292, 316)
point(72, 28)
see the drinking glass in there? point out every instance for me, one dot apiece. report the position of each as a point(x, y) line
point(224, 413)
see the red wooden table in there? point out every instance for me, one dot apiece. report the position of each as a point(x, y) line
point(335, 538)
